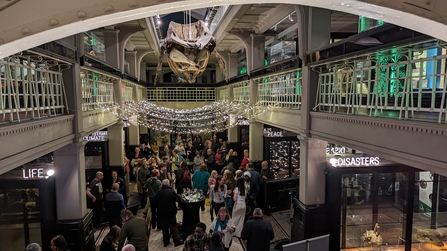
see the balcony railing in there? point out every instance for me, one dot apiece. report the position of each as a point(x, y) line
point(241, 91)
point(222, 93)
point(127, 90)
point(31, 87)
point(181, 94)
point(97, 88)
point(281, 89)
point(407, 83)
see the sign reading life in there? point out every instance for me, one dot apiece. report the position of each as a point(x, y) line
point(31, 173)
point(355, 161)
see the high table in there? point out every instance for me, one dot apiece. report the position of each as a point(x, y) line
point(191, 216)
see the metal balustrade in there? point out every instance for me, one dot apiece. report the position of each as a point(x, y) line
point(406, 83)
point(141, 92)
point(222, 93)
point(31, 87)
point(97, 89)
point(127, 90)
point(281, 89)
point(181, 94)
point(241, 91)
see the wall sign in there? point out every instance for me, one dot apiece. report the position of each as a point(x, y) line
point(355, 161)
point(336, 150)
point(271, 132)
point(97, 136)
point(33, 173)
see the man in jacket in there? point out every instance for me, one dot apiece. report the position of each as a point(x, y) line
point(257, 233)
point(135, 230)
point(165, 200)
point(153, 184)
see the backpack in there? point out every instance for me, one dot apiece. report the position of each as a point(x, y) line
point(186, 177)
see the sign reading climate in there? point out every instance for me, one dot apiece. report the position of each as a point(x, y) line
point(355, 161)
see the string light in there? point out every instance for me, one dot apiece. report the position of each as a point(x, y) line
point(205, 119)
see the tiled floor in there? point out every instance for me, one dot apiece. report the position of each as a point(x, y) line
point(156, 242)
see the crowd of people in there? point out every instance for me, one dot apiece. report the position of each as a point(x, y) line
point(232, 186)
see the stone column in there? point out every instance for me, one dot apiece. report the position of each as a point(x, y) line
point(219, 74)
point(143, 72)
point(231, 68)
point(116, 144)
point(233, 135)
point(255, 52)
point(131, 58)
point(112, 45)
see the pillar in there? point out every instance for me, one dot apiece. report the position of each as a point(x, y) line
point(310, 212)
point(134, 131)
point(256, 52)
point(69, 163)
point(143, 72)
point(116, 144)
point(256, 130)
point(233, 135)
point(131, 58)
point(219, 74)
point(231, 68)
point(112, 47)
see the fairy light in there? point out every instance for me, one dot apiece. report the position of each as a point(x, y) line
point(197, 120)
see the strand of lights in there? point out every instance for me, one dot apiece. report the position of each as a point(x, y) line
point(170, 124)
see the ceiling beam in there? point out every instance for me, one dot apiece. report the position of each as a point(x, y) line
point(233, 13)
point(151, 34)
point(273, 17)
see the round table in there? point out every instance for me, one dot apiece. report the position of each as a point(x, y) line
point(191, 216)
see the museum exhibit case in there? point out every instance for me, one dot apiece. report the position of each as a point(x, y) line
point(381, 205)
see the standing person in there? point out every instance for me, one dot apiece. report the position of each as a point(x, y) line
point(199, 240)
point(175, 162)
point(183, 177)
point(33, 247)
point(163, 171)
point(135, 230)
point(245, 160)
point(58, 243)
point(200, 181)
point(110, 242)
point(198, 160)
point(225, 225)
point(95, 193)
point(216, 242)
point(256, 182)
point(218, 191)
point(211, 181)
point(266, 174)
point(190, 151)
point(167, 162)
point(165, 200)
point(257, 232)
point(117, 179)
point(239, 207)
point(215, 144)
point(211, 160)
point(152, 186)
point(231, 184)
point(114, 203)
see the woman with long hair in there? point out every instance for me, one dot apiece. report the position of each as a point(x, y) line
point(58, 243)
point(218, 192)
point(110, 242)
point(231, 184)
point(239, 207)
point(211, 182)
point(225, 225)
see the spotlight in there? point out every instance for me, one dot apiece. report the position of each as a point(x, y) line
point(158, 21)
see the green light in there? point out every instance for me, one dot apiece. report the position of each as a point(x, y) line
point(243, 70)
point(93, 41)
point(266, 62)
point(299, 74)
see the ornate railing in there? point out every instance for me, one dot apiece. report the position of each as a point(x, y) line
point(97, 88)
point(222, 93)
point(31, 87)
point(127, 90)
point(401, 82)
point(141, 94)
point(241, 91)
point(282, 89)
point(181, 94)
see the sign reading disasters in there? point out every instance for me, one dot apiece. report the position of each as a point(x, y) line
point(355, 161)
point(97, 136)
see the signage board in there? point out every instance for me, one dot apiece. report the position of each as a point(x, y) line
point(97, 137)
point(355, 161)
point(33, 173)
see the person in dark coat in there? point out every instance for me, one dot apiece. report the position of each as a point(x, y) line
point(111, 240)
point(180, 184)
point(166, 199)
point(257, 233)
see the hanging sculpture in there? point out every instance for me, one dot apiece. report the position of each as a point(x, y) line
point(188, 47)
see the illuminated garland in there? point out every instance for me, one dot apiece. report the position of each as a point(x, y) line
point(184, 121)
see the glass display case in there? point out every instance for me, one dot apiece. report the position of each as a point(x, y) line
point(283, 155)
point(94, 45)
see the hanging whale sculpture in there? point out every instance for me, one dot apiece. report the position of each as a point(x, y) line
point(188, 47)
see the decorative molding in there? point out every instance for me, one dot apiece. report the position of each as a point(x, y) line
point(405, 125)
point(12, 129)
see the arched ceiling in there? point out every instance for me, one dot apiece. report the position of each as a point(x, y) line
point(26, 24)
